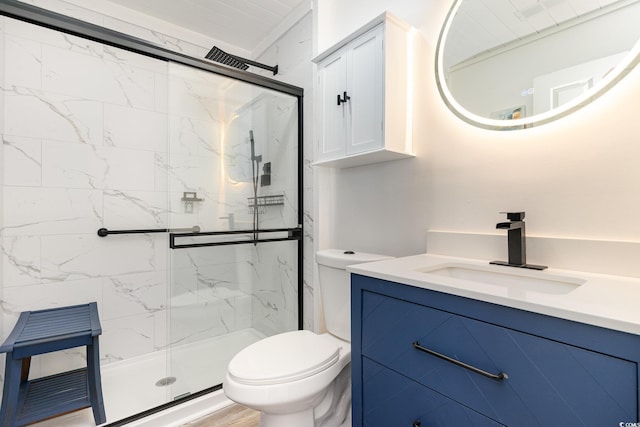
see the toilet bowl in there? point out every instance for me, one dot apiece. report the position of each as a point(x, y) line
point(299, 378)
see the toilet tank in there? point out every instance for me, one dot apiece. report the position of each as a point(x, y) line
point(335, 287)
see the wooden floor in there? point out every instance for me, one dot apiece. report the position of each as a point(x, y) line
point(233, 416)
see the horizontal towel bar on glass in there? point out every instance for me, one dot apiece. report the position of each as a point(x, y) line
point(103, 232)
point(292, 234)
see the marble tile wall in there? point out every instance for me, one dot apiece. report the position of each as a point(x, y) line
point(89, 141)
point(84, 137)
point(2, 162)
point(293, 53)
point(178, 41)
point(210, 121)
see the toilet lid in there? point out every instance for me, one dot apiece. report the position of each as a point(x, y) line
point(283, 358)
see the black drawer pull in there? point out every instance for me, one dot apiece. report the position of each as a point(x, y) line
point(500, 376)
point(416, 423)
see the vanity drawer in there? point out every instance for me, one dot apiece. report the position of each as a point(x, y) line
point(548, 382)
point(394, 400)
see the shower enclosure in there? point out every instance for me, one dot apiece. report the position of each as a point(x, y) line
point(164, 187)
point(236, 280)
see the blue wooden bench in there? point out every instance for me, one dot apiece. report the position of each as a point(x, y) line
point(44, 331)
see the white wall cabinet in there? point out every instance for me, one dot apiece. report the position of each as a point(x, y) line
point(364, 111)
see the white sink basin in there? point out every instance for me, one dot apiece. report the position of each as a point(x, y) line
point(513, 279)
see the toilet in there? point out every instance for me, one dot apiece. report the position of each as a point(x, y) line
point(299, 378)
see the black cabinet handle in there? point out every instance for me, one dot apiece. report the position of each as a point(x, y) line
point(345, 98)
point(498, 377)
point(416, 423)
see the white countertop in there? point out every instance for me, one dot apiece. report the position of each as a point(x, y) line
point(603, 300)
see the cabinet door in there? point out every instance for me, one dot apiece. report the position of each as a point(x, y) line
point(332, 116)
point(365, 87)
point(392, 400)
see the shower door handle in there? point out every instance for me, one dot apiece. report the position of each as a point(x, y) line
point(344, 99)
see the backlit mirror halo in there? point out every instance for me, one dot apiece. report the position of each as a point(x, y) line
point(513, 64)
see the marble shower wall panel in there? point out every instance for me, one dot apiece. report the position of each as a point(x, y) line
point(208, 294)
point(214, 294)
point(237, 162)
point(85, 146)
point(59, 117)
point(133, 294)
point(21, 261)
point(69, 165)
point(135, 209)
point(121, 83)
point(293, 53)
point(2, 157)
point(133, 128)
point(22, 160)
point(273, 120)
point(46, 211)
point(69, 257)
point(247, 268)
point(281, 151)
point(196, 123)
point(275, 288)
point(210, 120)
point(127, 337)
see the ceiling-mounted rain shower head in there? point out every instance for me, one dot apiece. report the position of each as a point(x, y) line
point(218, 55)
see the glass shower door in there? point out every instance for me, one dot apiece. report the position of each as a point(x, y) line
point(234, 211)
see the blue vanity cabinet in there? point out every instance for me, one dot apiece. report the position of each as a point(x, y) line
point(530, 369)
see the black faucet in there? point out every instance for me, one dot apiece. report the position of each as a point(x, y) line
point(516, 242)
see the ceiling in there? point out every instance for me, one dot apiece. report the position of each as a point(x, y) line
point(242, 23)
point(482, 25)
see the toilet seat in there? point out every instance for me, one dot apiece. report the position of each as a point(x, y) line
point(284, 358)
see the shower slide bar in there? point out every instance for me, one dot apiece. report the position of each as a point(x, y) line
point(292, 234)
point(103, 232)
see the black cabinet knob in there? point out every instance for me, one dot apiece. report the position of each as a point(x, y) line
point(417, 423)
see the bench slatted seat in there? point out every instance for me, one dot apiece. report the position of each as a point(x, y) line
point(44, 331)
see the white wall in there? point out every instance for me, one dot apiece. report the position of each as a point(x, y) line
point(577, 177)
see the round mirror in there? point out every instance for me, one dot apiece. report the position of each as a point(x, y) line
point(513, 64)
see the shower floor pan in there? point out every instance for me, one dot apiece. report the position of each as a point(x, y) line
point(129, 387)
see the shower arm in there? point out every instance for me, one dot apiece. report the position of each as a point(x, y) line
point(273, 69)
